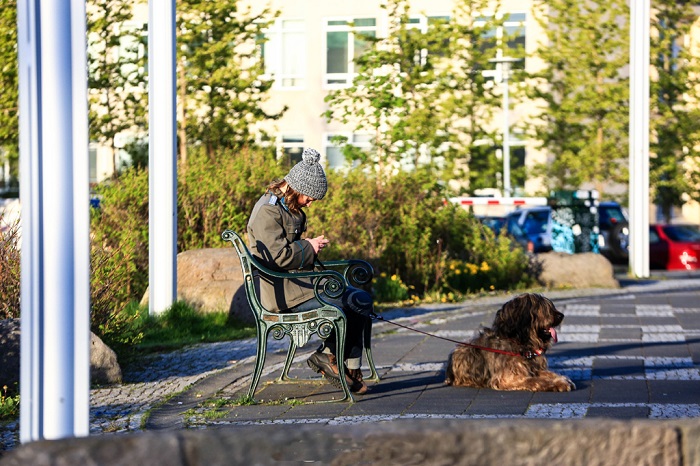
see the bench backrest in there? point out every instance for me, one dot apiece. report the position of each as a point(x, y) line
point(248, 265)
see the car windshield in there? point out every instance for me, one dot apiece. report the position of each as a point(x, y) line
point(610, 216)
point(682, 233)
point(536, 222)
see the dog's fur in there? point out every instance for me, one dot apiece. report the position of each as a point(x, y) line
point(525, 323)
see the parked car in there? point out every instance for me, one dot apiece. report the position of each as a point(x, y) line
point(614, 232)
point(495, 223)
point(531, 228)
point(674, 247)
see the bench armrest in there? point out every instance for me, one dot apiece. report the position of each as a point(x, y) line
point(329, 281)
point(356, 272)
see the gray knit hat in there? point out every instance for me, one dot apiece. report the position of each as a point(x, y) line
point(307, 177)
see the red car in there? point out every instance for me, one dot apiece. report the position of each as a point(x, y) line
point(674, 247)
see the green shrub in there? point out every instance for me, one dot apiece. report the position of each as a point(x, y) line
point(214, 195)
point(10, 278)
point(389, 289)
point(404, 228)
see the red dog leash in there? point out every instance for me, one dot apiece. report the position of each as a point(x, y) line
point(525, 354)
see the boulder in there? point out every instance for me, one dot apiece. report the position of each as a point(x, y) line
point(104, 367)
point(583, 270)
point(211, 280)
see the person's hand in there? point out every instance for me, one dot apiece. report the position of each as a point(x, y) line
point(318, 243)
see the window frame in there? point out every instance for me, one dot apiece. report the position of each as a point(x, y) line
point(274, 40)
point(366, 143)
point(351, 29)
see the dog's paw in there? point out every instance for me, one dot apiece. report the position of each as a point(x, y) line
point(564, 384)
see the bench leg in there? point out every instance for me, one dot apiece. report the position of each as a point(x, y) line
point(367, 336)
point(340, 351)
point(287, 364)
point(259, 359)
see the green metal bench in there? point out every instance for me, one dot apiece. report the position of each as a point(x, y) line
point(300, 326)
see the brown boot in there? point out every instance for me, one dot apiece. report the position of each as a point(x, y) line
point(358, 385)
point(327, 365)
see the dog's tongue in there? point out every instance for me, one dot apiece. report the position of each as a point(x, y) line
point(554, 334)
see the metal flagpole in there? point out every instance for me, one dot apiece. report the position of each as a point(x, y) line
point(162, 280)
point(55, 338)
point(639, 138)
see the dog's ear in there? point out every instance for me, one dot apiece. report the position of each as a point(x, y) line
point(514, 320)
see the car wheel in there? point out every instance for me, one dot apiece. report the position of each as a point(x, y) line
point(620, 240)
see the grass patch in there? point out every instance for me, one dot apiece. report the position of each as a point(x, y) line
point(181, 325)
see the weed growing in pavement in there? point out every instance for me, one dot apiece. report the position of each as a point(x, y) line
point(9, 404)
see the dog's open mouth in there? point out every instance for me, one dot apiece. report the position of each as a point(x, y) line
point(553, 333)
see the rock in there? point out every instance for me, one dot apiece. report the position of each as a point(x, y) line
point(104, 367)
point(584, 270)
point(211, 280)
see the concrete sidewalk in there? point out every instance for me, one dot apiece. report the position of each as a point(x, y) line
point(634, 354)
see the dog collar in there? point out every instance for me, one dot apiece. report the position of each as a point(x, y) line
point(529, 354)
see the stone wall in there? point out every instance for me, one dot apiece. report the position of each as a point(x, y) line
point(485, 442)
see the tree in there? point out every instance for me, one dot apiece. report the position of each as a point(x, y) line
point(470, 103)
point(221, 84)
point(675, 116)
point(117, 88)
point(9, 122)
point(393, 96)
point(423, 96)
point(584, 98)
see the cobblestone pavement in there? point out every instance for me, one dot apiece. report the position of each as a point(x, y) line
point(633, 353)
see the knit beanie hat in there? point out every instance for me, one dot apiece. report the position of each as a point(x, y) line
point(307, 177)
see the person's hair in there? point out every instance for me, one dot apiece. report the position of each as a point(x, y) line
point(291, 197)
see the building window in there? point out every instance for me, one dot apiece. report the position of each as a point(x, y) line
point(334, 151)
point(284, 53)
point(291, 147)
point(505, 40)
point(424, 24)
point(346, 40)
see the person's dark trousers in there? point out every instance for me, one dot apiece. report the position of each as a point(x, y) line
point(357, 307)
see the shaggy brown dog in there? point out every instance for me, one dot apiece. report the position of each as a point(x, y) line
point(523, 326)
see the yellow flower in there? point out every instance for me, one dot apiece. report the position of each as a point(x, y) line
point(452, 266)
point(394, 278)
point(492, 287)
point(444, 299)
point(383, 274)
point(485, 267)
point(472, 268)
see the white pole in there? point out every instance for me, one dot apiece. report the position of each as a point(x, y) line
point(31, 386)
point(55, 349)
point(506, 132)
point(639, 137)
point(81, 219)
point(162, 156)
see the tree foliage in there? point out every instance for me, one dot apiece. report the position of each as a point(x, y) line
point(221, 72)
point(675, 116)
point(582, 93)
point(117, 86)
point(9, 123)
point(423, 96)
